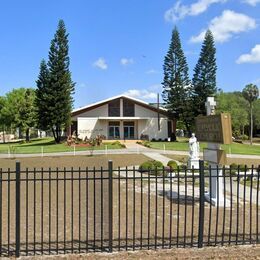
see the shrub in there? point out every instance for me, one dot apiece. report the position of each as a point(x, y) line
point(206, 165)
point(242, 167)
point(116, 143)
point(184, 167)
point(243, 137)
point(151, 165)
point(172, 164)
point(233, 168)
point(146, 144)
point(157, 164)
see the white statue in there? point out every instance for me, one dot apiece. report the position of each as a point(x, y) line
point(194, 147)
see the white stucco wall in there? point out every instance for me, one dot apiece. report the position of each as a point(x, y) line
point(91, 127)
point(96, 112)
point(150, 127)
point(144, 112)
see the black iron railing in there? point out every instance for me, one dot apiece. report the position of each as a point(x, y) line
point(59, 211)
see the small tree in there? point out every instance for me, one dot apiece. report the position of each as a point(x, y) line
point(251, 93)
point(19, 109)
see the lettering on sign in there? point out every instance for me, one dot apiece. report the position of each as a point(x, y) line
point(88, 131)
point(214, 128)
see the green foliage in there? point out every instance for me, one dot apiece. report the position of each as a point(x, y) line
point(144, 143)
point(204, 78)
point(176, 82)
point(55, 87)
point(172, 164)
point(256, 114)
point(43, 93)
point(151, 166)
point(235, 104)
point(116, 143)
point(251, 93)
point(18, 109)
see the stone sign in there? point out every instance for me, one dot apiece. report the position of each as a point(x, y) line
point(214, 128)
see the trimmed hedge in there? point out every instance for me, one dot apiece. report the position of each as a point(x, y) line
point(151, 166)
point(172, 164)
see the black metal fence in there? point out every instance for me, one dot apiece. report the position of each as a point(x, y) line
point(58, 211)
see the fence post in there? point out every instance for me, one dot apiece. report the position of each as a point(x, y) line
point(110, 204)
point(17, 208)
point(201, 203)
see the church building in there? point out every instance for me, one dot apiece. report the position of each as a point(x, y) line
point(123, 117)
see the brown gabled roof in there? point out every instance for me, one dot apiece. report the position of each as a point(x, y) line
point(106, 101)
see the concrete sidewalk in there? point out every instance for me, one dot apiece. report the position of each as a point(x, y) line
point(158, 157)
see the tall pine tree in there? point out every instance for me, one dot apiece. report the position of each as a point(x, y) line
point(42, 94)
point(204, 78)
point(55, 87)
point(176, 83)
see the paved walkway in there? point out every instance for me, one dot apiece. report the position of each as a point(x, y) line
point(158, 157)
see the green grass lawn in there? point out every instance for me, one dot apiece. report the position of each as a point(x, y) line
point(49, 146)
point(183, 145)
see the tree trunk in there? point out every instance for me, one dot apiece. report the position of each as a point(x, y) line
point(56, 134)
point(251, 123)
point(27, 135)
point(188, 129)
point(4, 135)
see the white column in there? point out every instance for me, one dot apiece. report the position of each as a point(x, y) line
point(121, 107)
point(215, 193)
point(121, 129)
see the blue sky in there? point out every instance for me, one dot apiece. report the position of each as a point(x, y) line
point(118, 46)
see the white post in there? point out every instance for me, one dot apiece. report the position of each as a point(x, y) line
point(216, 197)
point(9, 155)
point(42, 151)
point(163, 148)
point(74, 150)
point(106, 149)
point(230, 150)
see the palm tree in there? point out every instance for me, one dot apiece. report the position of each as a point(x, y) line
point(251, 93)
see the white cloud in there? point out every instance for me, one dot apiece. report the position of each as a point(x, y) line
point(82, 85)
point(155, 87)
point(179, 11)
point(226, 26)
point(252, 57)
point(101, 64)
point(143, 94)
point(256, 82)
point(152, 71)
point(126, 61)
point(252, 2)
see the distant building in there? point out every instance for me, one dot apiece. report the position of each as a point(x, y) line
point(122, 117)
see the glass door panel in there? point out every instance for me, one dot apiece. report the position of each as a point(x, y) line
point(114, 132)
point(117, 132)
point(129, 132)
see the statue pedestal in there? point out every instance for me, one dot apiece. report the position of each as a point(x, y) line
point(193, 163)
